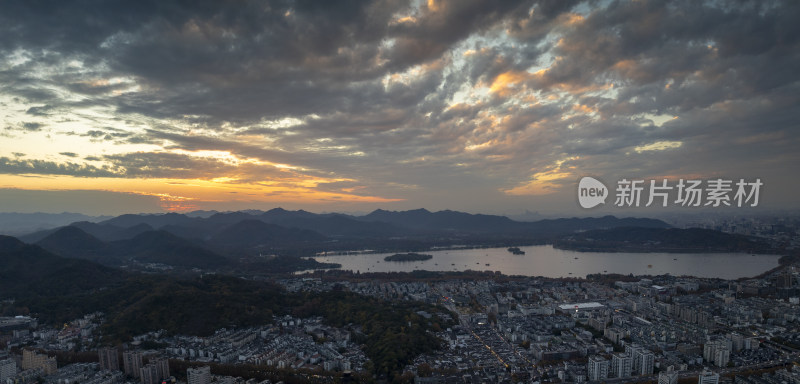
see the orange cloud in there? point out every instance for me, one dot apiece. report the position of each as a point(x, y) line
point(541, 183)
point(547, 181)
point(506, 83)
point(582, 108)
point(570, 19)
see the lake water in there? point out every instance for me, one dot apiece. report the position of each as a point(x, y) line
point(544, 260)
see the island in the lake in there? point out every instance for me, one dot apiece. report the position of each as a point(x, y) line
point(408, 257)
point(516, 251)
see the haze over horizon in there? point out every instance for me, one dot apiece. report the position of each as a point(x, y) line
point(112, 107)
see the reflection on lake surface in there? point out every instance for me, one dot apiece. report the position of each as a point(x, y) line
point(544, 260)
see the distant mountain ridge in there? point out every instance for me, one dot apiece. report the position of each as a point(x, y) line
point(154, 220)
point(165, 248)
point(213, 240)
point(15, 224)
point(253, 232)
point(73, 242)
point(450, 221)
point(377, 224)
point(146, 247)
point(442, 220)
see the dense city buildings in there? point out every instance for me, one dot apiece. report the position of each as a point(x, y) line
point(8, 369)
point(32, 360)
point(502, 329)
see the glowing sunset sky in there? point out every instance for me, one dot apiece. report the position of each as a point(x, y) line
point(480, 106)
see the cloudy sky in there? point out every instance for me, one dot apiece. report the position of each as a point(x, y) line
point(474, 105)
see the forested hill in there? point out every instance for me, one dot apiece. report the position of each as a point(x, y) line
point(55, 290)
point(635, 239)
point(28, 270)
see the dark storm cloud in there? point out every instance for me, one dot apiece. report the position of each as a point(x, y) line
point(25, 127)
point(445, 24)
point(146, 165)
point(182, 166)
point(237, 61)
point(32, 95)
point(168, 165)
point(485, 92)
point(535, 25)
point(32, 127)
point(90, 89)
point(94, 133)
point(44, 167)
point(108, 134)
point(38, 111)
point(654, 41)
point(681, 58)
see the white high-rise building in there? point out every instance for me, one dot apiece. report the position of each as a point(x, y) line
point(597, 367)
point(717, 352)
point(636, 351)
point(708, 377)
point(722, 356)
point(148, 374)
point(132, 363)
point(645, 361)
point(621, 365)
point(737, 341)
point(200, 375)
point(108, 358)
point(162, 367)
point(708, 351)
point(155, 371)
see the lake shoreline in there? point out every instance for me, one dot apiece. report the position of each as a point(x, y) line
point(548, 261)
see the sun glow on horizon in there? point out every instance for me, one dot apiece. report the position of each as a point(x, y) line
point(191, 194)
